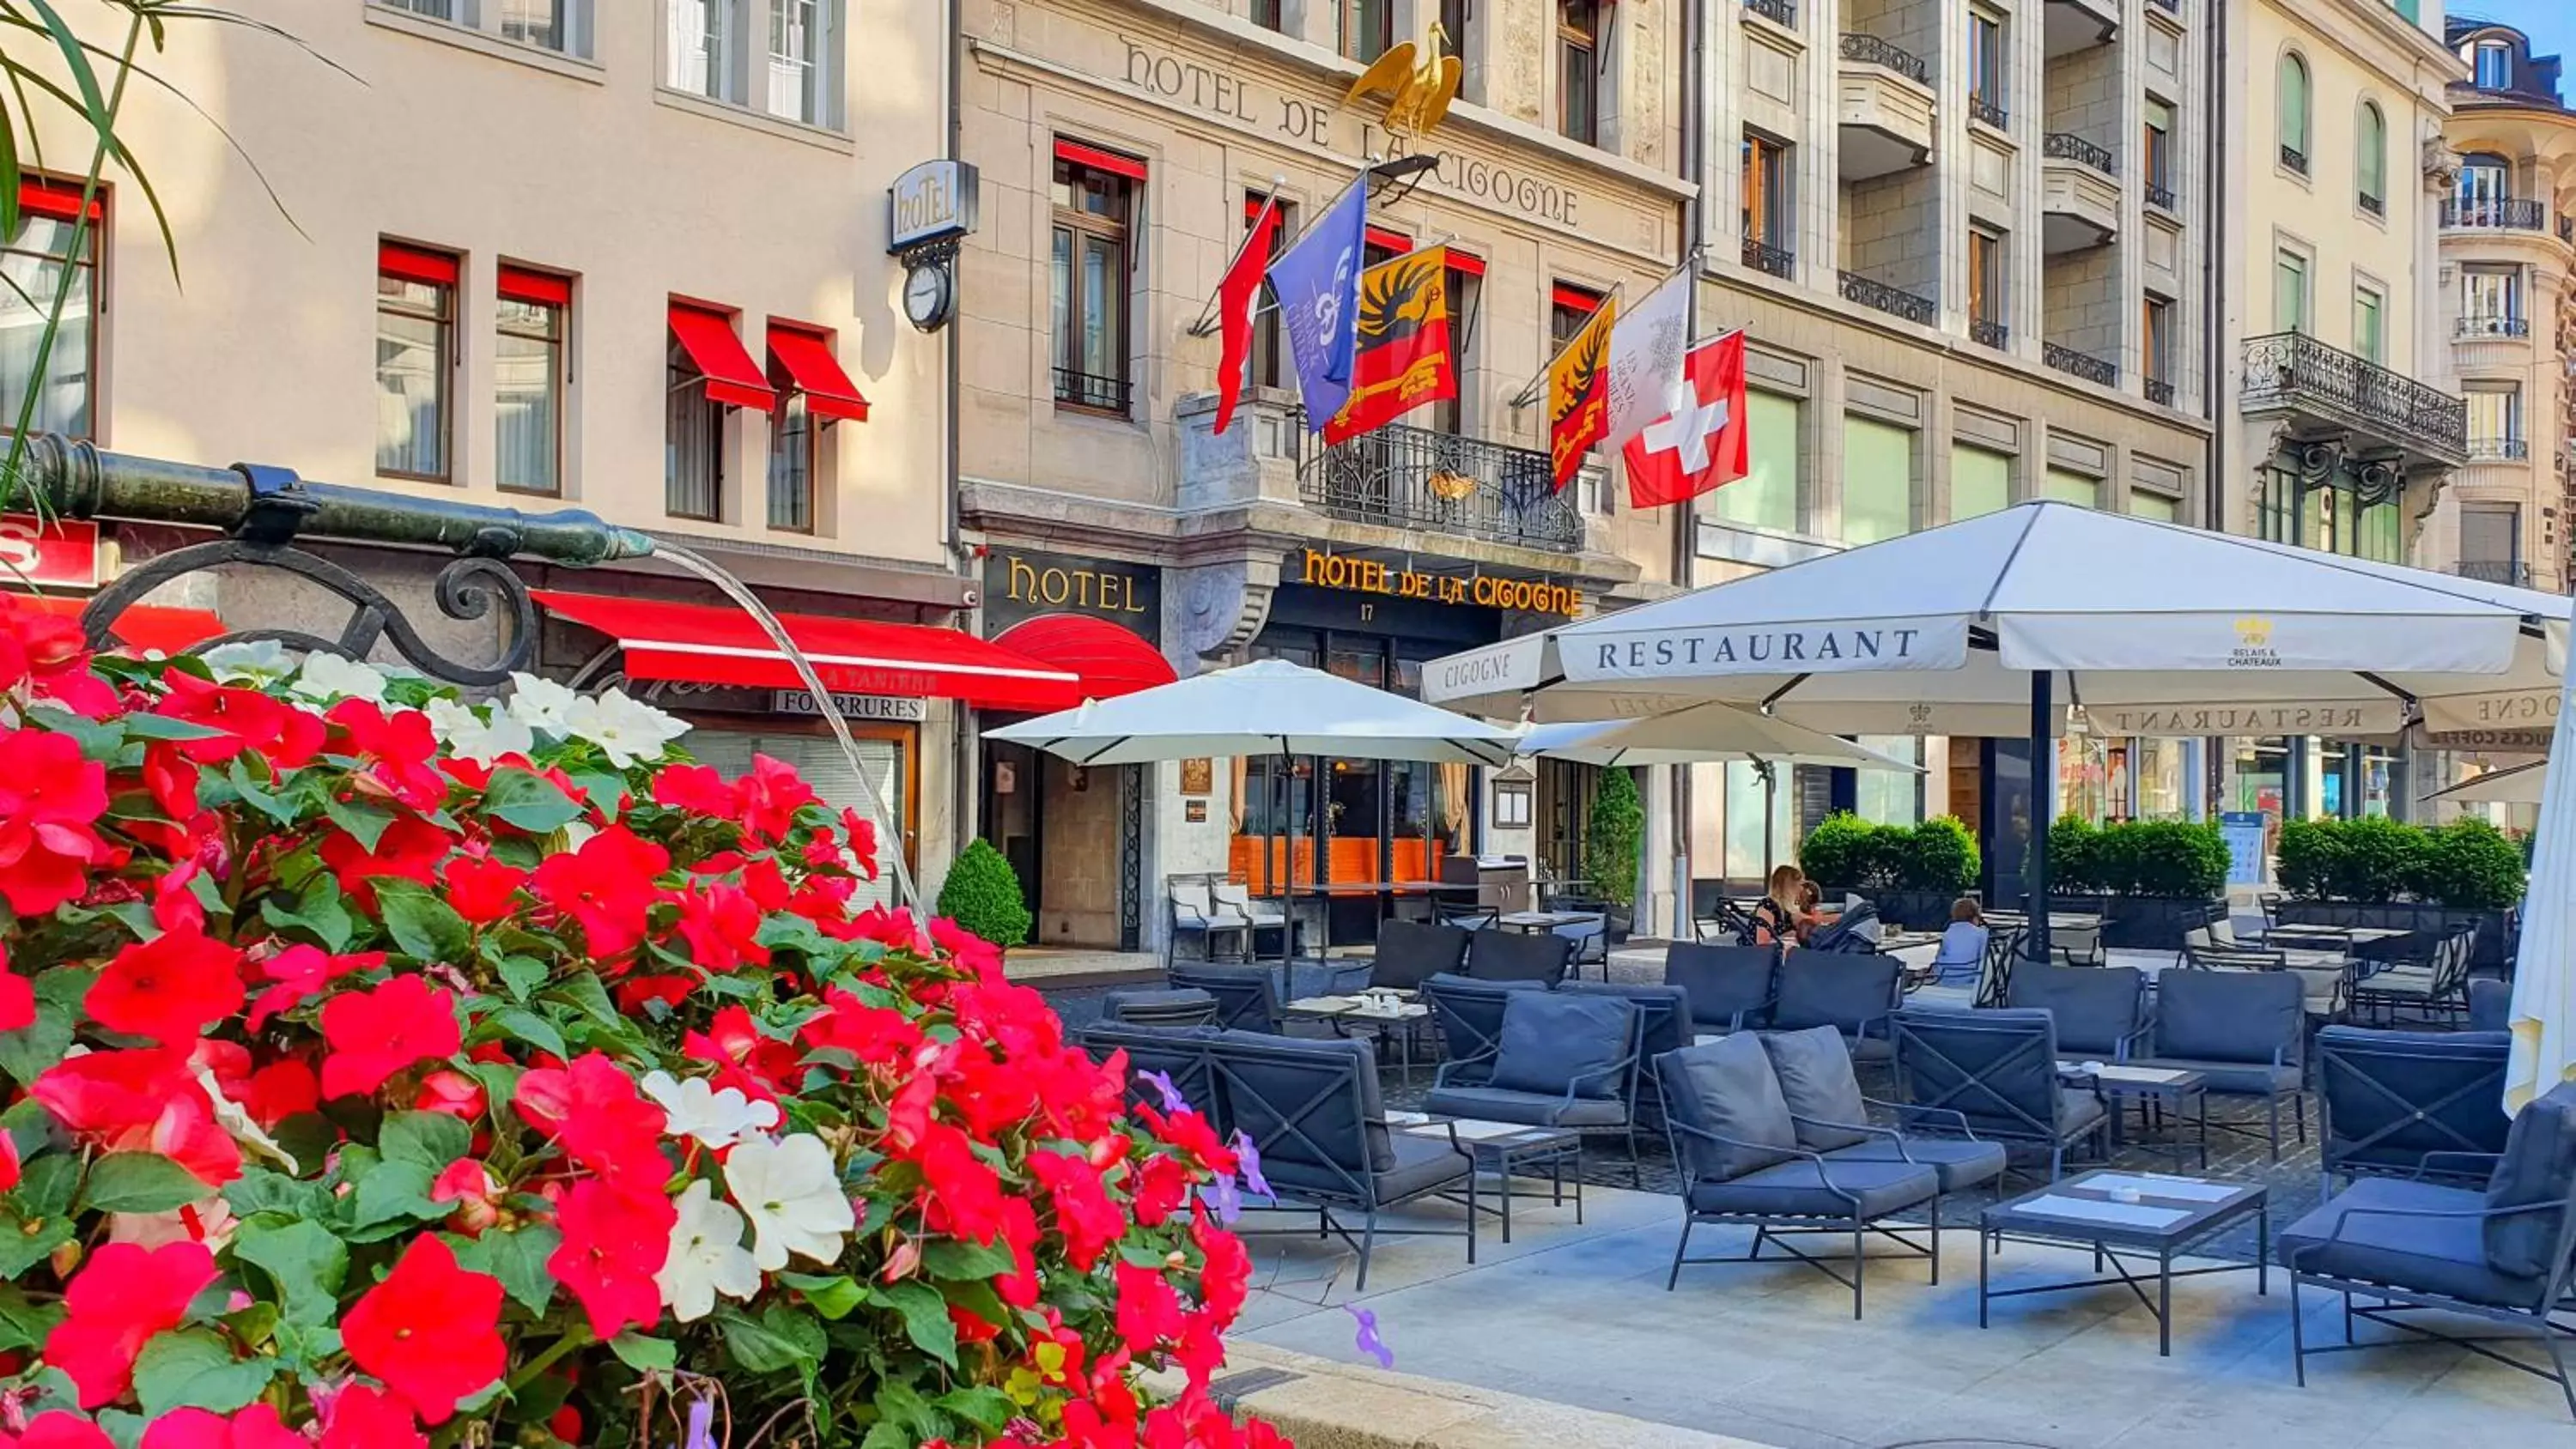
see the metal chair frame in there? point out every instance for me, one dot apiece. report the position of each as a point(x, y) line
point(1626, 1069)
point(2334, 1060)
point(2033, 1131)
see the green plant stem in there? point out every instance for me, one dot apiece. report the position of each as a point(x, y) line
point(575, 1338)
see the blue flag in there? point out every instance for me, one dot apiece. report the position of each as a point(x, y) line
point(1317, 282)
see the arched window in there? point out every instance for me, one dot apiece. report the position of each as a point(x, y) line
point(2370, 159)
point(2294, 113)
point(2485, 188)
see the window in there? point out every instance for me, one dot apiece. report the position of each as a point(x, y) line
point(1767, 495)
point(2370, 160)
point(2289, 292)
point(1578, 95)
point(528, 379)
point(49, 215)
point(1878, 480)
point(2369, 327)
point(2491, 534)
point(2158, 145)
point(2162, 507)
point(2155, 340)
point(415, 360)
point(1766, 191)
point(2495, 418)
point(557, 25)
point(2075, 488)
point(2293, 119)
point(2485, 185)
point(706, 48)
point(540, 23)
point(1466, 281)
point(804, 70)
point(1985, 275)
point(1267, 14)
point(1986, 67)
point(813, 393)
point(1093, 194)
point(1980, 481)
point(709, 372)
point(2491, 300)
point(1368, 28)
point(1457, 23)
point(1269, 343)
point(2494, 65)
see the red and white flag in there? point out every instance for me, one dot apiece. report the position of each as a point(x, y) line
point(1701, 443)
point(1236, 296)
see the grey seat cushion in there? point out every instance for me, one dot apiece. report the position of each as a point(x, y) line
point(2433, 1255)
point(1518, 956)
point(1421, 1164)
point(2077, 1110)
point(1537, 1109)
point(1160, 1004)
point(2095, 1007)
point(1554, 1042)
point(2235, 1079)
point(1815, 1072)
point(1722, 981)
point(2536, 1170)
point(2231, 1016)
point(1828, 988)
point(1727, 1087)
point(1958, 1162)
point(1809, 1189)
point(1411, 952)
point(1267, 1084)
point(2490, 1004)
point(1663, 1012)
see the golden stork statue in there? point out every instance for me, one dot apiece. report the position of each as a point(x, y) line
point(1417, 95)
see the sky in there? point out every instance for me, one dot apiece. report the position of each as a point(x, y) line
point(2551, 24)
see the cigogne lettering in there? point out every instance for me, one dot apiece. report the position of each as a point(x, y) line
point(1790, 648)
point(1374, 576)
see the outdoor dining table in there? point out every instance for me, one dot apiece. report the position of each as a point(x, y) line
point(1386, 1011)
point(2151, 1088)
point(1538, 923)
point(1505, 1149)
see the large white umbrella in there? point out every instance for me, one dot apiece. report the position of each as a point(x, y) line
point(1698, 733)
point(2544, 988)
point(2513, 785)
point(1995, 624)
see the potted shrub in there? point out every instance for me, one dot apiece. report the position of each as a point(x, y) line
point(2161, 878)
point(2385, 874)
point(1614, 840)
point(982, 894)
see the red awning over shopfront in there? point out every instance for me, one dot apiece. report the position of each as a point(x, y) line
point(143, 626)
point(1112, 661)
point(702, 644)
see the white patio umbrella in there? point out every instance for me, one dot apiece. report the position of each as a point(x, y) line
point(2544, 988)
point(1268, 707)
point(2512, 785)
point(1699, 733)
point(1993, 625)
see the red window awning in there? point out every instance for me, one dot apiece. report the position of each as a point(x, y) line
point(1388, 241)
point(724, 646)
point(806, 357)
point(1576, 299)
point(416, 264)
point(143, 626)
point(526, 284)
point(1466, 262)
point(1112, 661)
point(1076, 153)
point(732, 377)
point(58, 199)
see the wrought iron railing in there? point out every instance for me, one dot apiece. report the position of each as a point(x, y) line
point(1896, 301)
point(2510, 571)
point(1091, 390)
point(1991, 334)
point(2375, 205)
point(1764, 257)
point(1410, 477)
point(1987, 111)
point(2500, 450)
point(2294, 158)
point(1778, 12)
point(2066, 146)
point(2494, 327)
point(2159, 391)
point(2296, 371)
point(2080, 364)
point(2160, 196)
point(1870, 50)
point(2495, 213)
point(2170, 7)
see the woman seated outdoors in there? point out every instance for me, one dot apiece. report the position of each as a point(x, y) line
point(1963, 942)
point(1782, 914)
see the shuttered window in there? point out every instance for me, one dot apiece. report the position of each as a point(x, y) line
point(819, 759)
point(1980, 481)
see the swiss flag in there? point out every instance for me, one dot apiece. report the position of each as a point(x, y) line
point(1701, 443)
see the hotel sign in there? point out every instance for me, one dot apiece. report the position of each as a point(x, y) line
point(1373, 576)
point(1022, 584)
point(931, 202)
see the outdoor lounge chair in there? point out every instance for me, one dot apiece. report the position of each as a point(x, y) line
point(1234, 899)
point(2100, 1011)
point(1178, 1054)
point(1743, 1165)
point(2501, 1252)
point(1412, 952)
point(1563, 1059)
point(1193, 909)
point(2414, 1104)
point(2435, 984)
point(2490, 1004)
point(1518, 956)
point(1832, 1117)
point(1313, 1112)
point(1996, 1070)
point(1247, 997)
point(1663, 1025)
point(1169, 1006)
point(1853, 994)
point(1730, 987)
point(2244, 1031)
point(1469, 1014)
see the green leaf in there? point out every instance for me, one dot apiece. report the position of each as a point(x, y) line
point(832, 1295)
point(194, 1369)
point(258, 1190)
point(982, 1405)
point(163, 727)
point(529, 801)
point(24, 1324)
point(522, 1025)
point(28, 1051)
point(318, 909)
point(140, 1182)
point(430, 1139)
point(522, 975)
point(99, 742)
point(25, 1242)
point(47, 1184)
point(307, 1136)
point(518, 1258)
point(267, 802)
point(424, 927)
point(602, 790)
point(780, 1339)
point(366, 822)
point(925, 1318)
point(949, 1258)
point(306, 1260)
point(644, 1354)
point(392, 1192)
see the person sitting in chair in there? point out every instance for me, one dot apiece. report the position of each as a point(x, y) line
point(1963, 941)
point(1776, 917)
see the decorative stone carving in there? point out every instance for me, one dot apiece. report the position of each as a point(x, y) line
point(1216, 611)
point(2441, 164)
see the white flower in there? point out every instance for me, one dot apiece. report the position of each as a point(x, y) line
point(541, 704)
point(468, 737)
point(260, 662)
point(327, 676)
point(235, 1119)
point(628, 729)
point(693, 1108)
point(792, 1193)
point(706, 1257)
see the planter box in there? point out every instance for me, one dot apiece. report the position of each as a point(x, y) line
point(2495, 928)
point(2155, 923)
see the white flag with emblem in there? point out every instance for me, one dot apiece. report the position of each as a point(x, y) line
point(1646, 347)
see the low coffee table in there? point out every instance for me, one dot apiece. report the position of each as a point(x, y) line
point(2168, 1216)
point(1505, 1149)
point(2151, 1088)
point(1345, 1012)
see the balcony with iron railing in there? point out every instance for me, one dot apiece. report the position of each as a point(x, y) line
point(2161, 197)
point(1761, 256)
point(2294, 160)
point(2079, 194)
point(1988, 111)
point(1418, 478)
point(2495, 213)
point(2474, 326)
point(2324, 389)
point(1091, 391)
point(1893, 300)
point(2159, 391)
point(2080, 364)
point(1884, 103)
point(2371, 202)
point(1870, 50)
point(1987, 333)
point(2499, 450)
point(1778, 12)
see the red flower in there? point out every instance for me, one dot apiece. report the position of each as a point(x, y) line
point(1191, 1133)
point(964, 1196)
point(1019, 1287)
point(607, 886)
point(771, 795)
point(256, 1427)
point(285, 736)
point(592, 1109)
point(468, 1184)
point(395, 750)
point(1227, 1271)
point(483, 890)
point(281, 1090)
point(452, 1092)
point(374, 1034)
point(874, 1035)
point(697, 789)
point(408, 850)
point(1161, 1184)
point(721, 923)
point(117, 1301)
point(300, 972)
point(635, 993)
point(172, 779)
point(1084, 1213)
point(8, 1162)
point(50, 800)
point(1149, 1311)
point(362, 1418)
point(63, 1429)
point(862, 833)
point(17, 997)
point(168, 988)
point(99, 1093)
point(613, 1243)
point(431, 1330)
point(758, 1066)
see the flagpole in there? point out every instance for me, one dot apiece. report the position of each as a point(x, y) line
point(1208, 319)
point(1531, 390)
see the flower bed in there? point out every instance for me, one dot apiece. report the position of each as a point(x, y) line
point(382, 1067)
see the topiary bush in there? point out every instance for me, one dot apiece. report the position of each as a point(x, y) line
point(2466, 865)
point(1939, 855)
point(2306, 857)
point(1613, 838)
point(2470, 865)
point(2185, 858)
point(2075, 857)
point(982, 894)
point(1845, 850)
